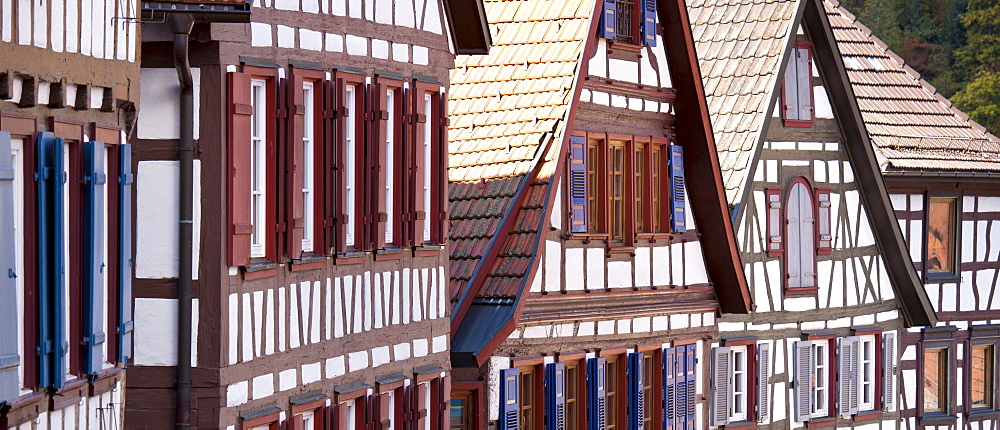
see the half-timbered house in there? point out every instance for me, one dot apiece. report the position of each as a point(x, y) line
point(942, 171)
point(831, 280)
point(68, 94)
point(319, 217)
point(585, 287)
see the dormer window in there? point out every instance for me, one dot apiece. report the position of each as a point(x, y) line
point(631, 22)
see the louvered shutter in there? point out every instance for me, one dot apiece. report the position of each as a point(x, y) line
point(596, 394)
point(9, 346)
point(125, 260)
point(888, 370)
point(51, 262)
point(649, 23)
point(824, 237)
point(669, 387)
point(555, 396)
point(578, 184)
point(678, 212)
point(847, 376)
point(609, 19)
point(690, 383)
point(790, 89)
point(240, 169)
point(510, 418)
point(722, 389)
point(804, 370)
point(775, 228)
point(763, 379)
point(635, 393)
point(803, 66)
point(95, 179)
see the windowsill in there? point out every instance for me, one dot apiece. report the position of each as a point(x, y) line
point(104, 381)
point(260, 268)
point(389, 253)
point(741, 425)
point(867, 416)
point(70, 394)
point(621, 249)
point(587, 237)
point(941, 277)
point(982, 414)
point(429, 250)
point(624, 46)
point(350, 257)
point(801, 291)
point(937, 419)
point(310, 261)
point(653, 237)
point(819, 422)
point(798, 123)
point(26, 408)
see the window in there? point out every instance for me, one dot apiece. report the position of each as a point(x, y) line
point(935, 380)
point(649, 403)
point(575, 403)
point(390, 166)
point(735, 386)
point(309, 167)
point(617, 195)
point(797, 91)
point(982, 377)
point(679, 386)
point(800, 258)
point(348, 416)
point(352, 106)
point(460, 410)
point(427, 150)
point(527, 397)
point(821, 380)
point(308, 421)
point(942, 236)
point(629, 21)
point(868, 364)
point(258, 163)
point(738, 412)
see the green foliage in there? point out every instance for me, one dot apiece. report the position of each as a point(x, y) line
point(981, 100)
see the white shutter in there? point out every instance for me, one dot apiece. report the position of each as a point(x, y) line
point(806, 248)
point(888, 370)
point(848, 383)
point(722, 388)
point(763, 376)
point(804, 371)
point(803, 67)
point(791, 93)
point(793, 261)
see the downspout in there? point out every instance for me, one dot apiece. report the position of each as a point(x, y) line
point(181, 25)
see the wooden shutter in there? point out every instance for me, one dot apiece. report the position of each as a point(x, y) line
point(341, 417)
point(848, 383)
point(294, 159)
point(338, 180)
point(555, 396)
point(240, 169)
point(419, 126)
point(649, 23)
point(578, 184)
point(384, 407)
point(763, 378)
point(804, 370)
point(669, 387)
point(678, 212)
point(609, 20)
point(444, 403)
point(95, 179)
point(420, 397)
point(690, 383)
point(379, 117)
point(596, 394)
point(888, 370)
point(510, 418)
point(722, 389)
point(297, 423)
point(9, 345)
point(824, 237)
point(440, 152)
point(635, 394)
point(800, 262)
point(803, 74)
point(775, 228)
point(125, 260)
point(51, 261)
point(790, 90)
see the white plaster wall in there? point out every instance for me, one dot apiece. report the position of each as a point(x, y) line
point(155, 337)
point(157, 214)
point(159, 92)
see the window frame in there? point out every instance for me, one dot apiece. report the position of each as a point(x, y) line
point(577, 363)
point(983, 336)
point(816, 411)
point(315, 163)
point(938, 338)
point(870, 377)
point(268, 250)
point(350, 154)
point(748, 346)
point(956, 251)
point(474, 393)
point(531, 410)
point(829, 342)
point(429, 203)
point(799, 122)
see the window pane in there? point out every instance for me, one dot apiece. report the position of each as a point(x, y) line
point(527, 398)
point(617, 191)
point(655, 174)
point(611, 393)
point(982, 376)
point(941, 235)
point(593, 185)
point(623, 29)
point(572, 395)
point(935, 379)
point(640, 163)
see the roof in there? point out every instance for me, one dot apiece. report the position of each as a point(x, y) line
point(739, 44)
point(912, 127)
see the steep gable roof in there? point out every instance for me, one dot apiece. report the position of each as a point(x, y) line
point(912, 126)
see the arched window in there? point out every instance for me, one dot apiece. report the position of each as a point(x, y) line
point(800, 257)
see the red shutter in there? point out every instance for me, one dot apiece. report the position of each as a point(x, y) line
point(341, 418)
point(293, 165)
point(240, 227)
point(444, 403)
point(379, 115)
point(420, 401)
point(440, 153)
point(420, 124)
point(384, 405)
point(404, 166)
point(774, 241)
point(297, 423)
point(338, 180)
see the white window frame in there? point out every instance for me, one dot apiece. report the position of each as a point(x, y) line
point(308, 167)
point(17, 158)
point(352, 418)
point(350, 166)
point(67, 267)
point(308, 420)
point(820, 395)
point(867, 368)
point(392, 410)
point(426, 386)
point(390, 176)
point(428, 149)
point(258, 167)
point(738, 362)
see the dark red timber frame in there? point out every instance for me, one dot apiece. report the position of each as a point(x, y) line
point(340, 418)
point(784, 236)
point(831, 372)
point(751, 393)
point(475, 392)
point(379, 220)
point(72, 133)
point(877, 400)
point(338, 153)
point(111, 136)
point(812, 102)
point(420, 119)
point(295, 153)
point(25, 127)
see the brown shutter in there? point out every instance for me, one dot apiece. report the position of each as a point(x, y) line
point(293, 165)
point(338, 179)
point(404, 166)
point(298, 423)
point(420, 401)
point(341, 418)
point(378, 115)
point(383, 410)
point(440, 152)
point(420, 124)
point(444, 403)
point(240, 228)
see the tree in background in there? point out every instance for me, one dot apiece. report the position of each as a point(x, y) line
point(980, 98)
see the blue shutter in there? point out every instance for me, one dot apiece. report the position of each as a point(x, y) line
point(596, 394)
point(677, 210)
point(649, 23)
point(669, 387)
point(93, 243)
point(555, 396)
point(9, 358)
point(510, 418)
point(609, 20)
point(125, 261)
point(578, 184)
point(51, 268)
point(690, 379)
point(636, 402)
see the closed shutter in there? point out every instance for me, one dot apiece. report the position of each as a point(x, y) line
point(649, 23)
point(609, 19)
point(125, 260)
point(800, 263)
point(848, 383)
point(341, 417)
point(510, 418)
point(824, 238)
point(803, 363)
point(775, 230)
point(803, 73)
point(444, 403)
point(678, 212)
point(578, 184)
point(95, 180)
point(763, 378)
point(555, 396)
point(240, 169)
point(636, 402)
point(888, 370)
point(328, 186)
point(790, 89)
point(690, 384)
point(596, 394)
point(722, 389)
point(9, 358)
point(669, 387)
point(51, 262)
point(294, 165)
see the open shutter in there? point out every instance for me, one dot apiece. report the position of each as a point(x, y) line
point(763, 378)
point(9, 358)
point(775, 230)
point(635, 393)
point(444, 403)
point(690, 383)
point(240, 227)
point(722, 389)
point(419, 162)
point(421, 397)
point(440, 151)
point(888, 370)
point(125, 261)
point(596, 394)
point(294, 168)
point(384, 410)
point(95, 180)
point(803, 74)
point(379, 119)
point(510, 418)
point(578, 184)
point(649, 23)
point(847, 376)
point(555, 396)
point(824, 238)
point(678, 212)
point(609, 20)
point(790, 89)
point(51, 274)
point(669, 387)
point(803, 379)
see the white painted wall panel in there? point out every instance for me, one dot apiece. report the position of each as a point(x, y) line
point(595, 268)
point(6, 21)
point(24, 23)
point(246, 334)
point(157, 219)
point(260, 35)
point(108, 29)
point(643, 271)
point(57, 19)
point(40, 27)
point(694, 264)
point(574, 278)
point(553, 266)
point(258, 322)
point(619, 274)
point(155, 342)
point(432, 17)
point(234, 328)
point(159, 92)
point(269, 331)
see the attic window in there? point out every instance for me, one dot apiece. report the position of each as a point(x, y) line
point(629, 21)
point(797, 91)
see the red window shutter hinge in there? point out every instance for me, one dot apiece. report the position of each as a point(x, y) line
point(280, 227)
point(329, 113)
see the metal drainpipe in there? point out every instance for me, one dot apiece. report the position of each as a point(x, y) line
point(181, 25)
